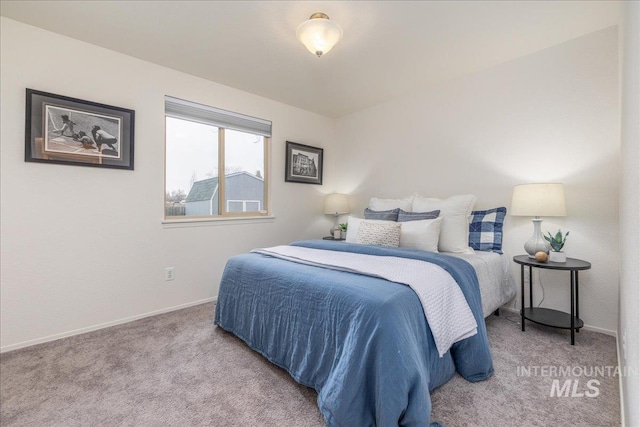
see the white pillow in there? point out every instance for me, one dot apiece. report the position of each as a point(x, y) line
point(354, 225)
point(385, 233)
point(405, 204)
point(423, 235)
point(455, 211)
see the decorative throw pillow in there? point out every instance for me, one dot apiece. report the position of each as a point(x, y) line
point(388, 204)
point(455, 211)
point(404, 216)
point(485, 229)
point(386, 233)
point(423, 235)
point(354, 226)
point(390, 215)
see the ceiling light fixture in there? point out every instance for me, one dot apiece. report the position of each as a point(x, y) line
point(319, 34)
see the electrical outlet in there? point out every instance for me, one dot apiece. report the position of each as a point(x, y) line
point(169, 273)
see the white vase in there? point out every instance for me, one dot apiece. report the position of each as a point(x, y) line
point(557, 256)
point(536, 243)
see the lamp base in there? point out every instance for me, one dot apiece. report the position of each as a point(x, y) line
point(335, 227)
point(536, 243)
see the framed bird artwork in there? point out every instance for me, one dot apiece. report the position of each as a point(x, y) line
point(71, 131)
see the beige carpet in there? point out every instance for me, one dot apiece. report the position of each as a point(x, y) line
point(178, 369)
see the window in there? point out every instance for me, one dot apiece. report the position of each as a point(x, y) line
point(216, 162)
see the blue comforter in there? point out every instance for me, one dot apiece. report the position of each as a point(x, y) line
point(361, 342)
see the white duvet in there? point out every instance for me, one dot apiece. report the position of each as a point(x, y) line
point(444, 304)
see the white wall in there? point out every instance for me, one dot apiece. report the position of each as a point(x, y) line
point(629, 327)
point(548, 117)
point(84, 247)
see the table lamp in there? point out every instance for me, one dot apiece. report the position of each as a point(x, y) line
point(538, 200)
point(336, 204)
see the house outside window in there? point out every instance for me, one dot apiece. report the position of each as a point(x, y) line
point(216, 162)
point(243, 205)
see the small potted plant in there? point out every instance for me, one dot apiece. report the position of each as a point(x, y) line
point(557, 243)
point(343, 230)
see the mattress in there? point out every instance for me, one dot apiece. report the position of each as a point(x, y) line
point(495, 278)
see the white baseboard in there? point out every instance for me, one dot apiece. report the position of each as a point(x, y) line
point(601, 330)
point(54, 337)
point(585, 327)
point(622, 414)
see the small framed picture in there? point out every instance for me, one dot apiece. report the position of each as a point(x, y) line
point(70, 131)
point(303, 163)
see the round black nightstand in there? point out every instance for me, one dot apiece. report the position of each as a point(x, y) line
point(547, 316)
point(331, 238)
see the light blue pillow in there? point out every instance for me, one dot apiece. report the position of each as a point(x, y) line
point(404, 216)
point(485, 230)
point(391, 215)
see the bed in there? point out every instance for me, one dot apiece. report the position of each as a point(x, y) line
point(497, 284)
point(361, 342)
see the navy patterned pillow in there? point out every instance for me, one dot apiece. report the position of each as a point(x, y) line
point(485, 230)
point(404, 216)
point(391, 215)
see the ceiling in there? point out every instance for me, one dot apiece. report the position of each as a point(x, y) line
point(389, 48)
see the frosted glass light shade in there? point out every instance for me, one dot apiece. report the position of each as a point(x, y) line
point(319, 34)
point(538, 200)
point(336, 204)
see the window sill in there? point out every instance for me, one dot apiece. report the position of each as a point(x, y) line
point(206, 222)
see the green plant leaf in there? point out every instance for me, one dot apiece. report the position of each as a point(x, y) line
point(556, 242)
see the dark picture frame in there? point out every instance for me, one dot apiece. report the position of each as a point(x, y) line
point(303, 163)
point(70, 131)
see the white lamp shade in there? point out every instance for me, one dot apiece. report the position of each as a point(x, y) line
point(319, 34)
point(336, 204)
point(538, 200)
